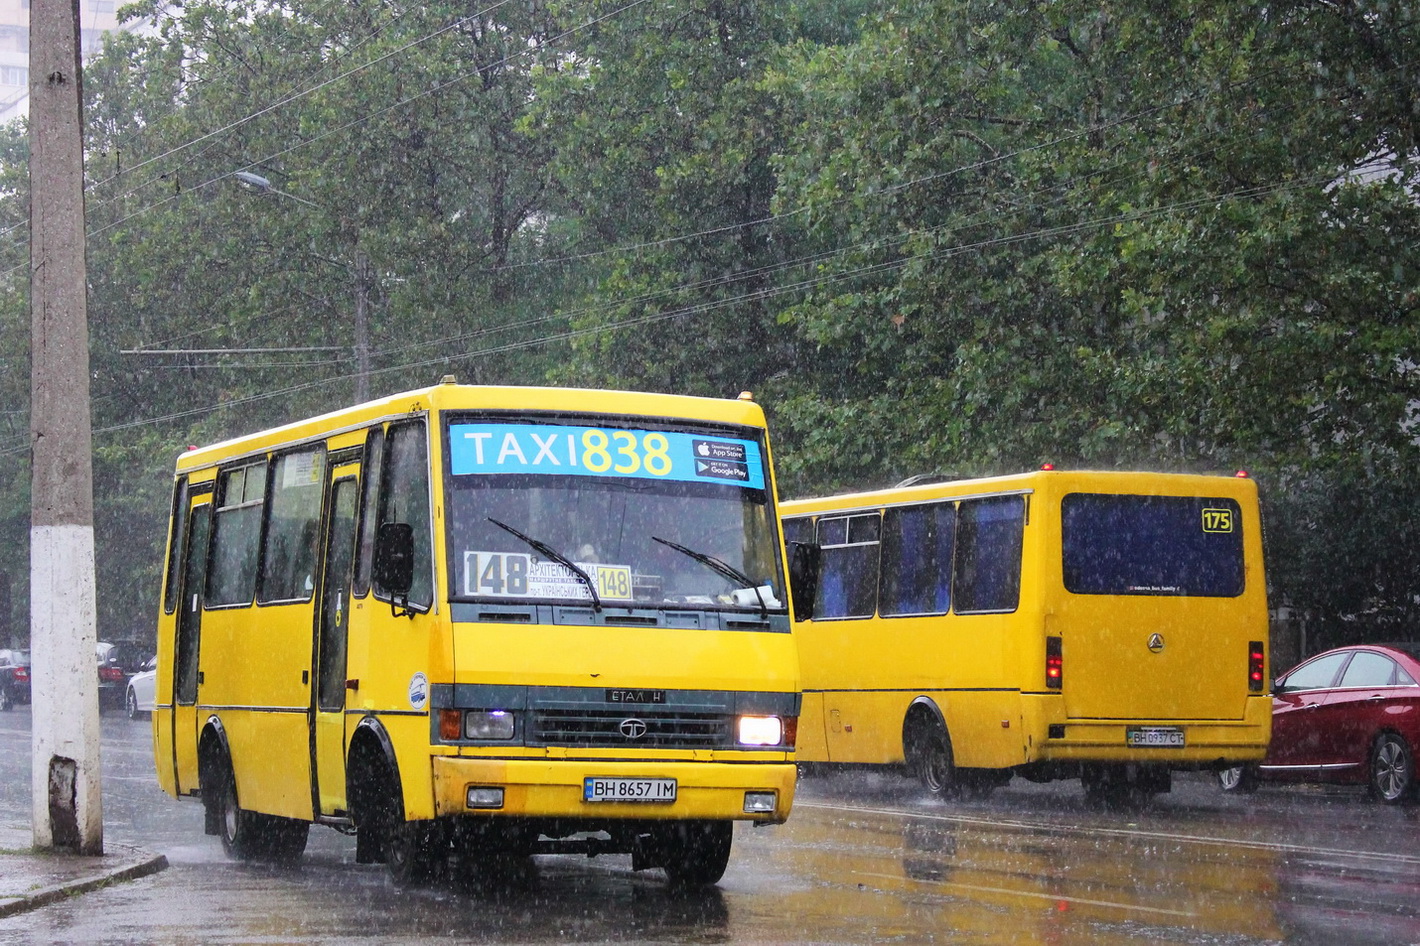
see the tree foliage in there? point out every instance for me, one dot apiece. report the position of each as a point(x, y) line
point(960, 236)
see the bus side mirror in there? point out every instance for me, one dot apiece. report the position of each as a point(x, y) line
point(394, 562)
point(803, 577)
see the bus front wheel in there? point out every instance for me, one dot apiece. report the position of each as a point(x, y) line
point(693, 853)
point(411, 850)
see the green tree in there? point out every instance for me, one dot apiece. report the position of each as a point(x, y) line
point(662, 134)
point(1117, 237)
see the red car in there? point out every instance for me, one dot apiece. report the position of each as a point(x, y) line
point(14, 678)
point(1350, 715)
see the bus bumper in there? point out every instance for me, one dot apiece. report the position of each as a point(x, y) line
point(1205, 743)
point(555, 789)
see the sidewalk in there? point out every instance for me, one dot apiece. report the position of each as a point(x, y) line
point(30, 878)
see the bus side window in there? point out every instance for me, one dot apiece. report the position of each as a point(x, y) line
point(799, 530)
point(917, 559)
point(848, 572)
point(369, 507)
point(292, 525)
point(803, 565)
point(987, 574)
point(404, 497)
point(236, 536)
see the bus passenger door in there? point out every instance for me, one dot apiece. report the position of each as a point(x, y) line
point(328, 718)
point(187, 675)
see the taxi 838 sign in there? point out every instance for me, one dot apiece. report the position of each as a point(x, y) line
point(598, 451)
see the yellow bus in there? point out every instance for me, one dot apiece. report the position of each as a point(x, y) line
point(1106, 626)
point(482, 619)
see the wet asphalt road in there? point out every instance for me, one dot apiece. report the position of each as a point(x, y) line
point(864, 859)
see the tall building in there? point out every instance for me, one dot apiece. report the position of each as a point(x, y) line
point(96, 17)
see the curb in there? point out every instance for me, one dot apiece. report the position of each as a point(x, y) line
point(147, 864)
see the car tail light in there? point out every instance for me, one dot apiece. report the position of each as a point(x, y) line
point(1256, 669)
point(111, 674)
point(22, 674)
point(1054, 663)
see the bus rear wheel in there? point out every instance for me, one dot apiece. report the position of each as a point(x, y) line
point(286, 837)
point(929, 754)
point(240, 829)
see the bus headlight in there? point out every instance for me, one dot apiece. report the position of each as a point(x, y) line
point(761, 803)
point(761, 730)
point(488, 724)
point(484, 797)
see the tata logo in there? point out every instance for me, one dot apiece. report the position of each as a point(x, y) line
point(1156, 642)
point(633, 728)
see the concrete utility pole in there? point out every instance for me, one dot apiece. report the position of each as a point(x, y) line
point(64, 737)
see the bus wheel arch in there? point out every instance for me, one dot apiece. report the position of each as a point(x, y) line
point(410, 850)
point(214, 758)
point(370, 759)
point(243, 832)
point(927, 747)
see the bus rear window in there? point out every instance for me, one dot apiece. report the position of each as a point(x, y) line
point(1151, 545)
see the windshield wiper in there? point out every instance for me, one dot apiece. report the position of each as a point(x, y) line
point(722, 568)
point(547, 551)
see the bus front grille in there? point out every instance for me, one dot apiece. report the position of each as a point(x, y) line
point(619, 729)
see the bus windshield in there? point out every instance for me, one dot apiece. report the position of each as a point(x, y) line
point(612, 517)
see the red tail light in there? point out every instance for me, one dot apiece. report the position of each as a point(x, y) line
point(111, 674)
point(22, 674)
point(1054, 663)
point(1256, 666)
point(791, 731)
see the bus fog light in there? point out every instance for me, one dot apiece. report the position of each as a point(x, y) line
point(761, 730)
point(760, 802)
point(485, 797)
point(494, 724)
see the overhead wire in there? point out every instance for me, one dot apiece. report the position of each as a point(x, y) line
point(1110, 220)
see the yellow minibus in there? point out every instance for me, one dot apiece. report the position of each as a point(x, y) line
point(1106, 626)
point(482, 619)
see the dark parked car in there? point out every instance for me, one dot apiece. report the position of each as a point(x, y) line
point(118, 661)
point(1350, 715)
point(14, 678)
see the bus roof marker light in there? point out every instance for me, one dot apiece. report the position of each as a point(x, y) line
point(1047, 467)
point(1241, 474)
point(448, 379)
point(746, 396)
